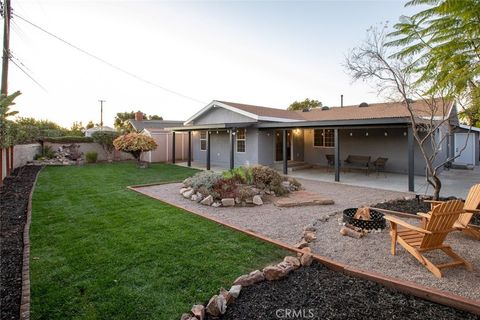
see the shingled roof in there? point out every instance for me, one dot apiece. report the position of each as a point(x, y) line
point(355, 112)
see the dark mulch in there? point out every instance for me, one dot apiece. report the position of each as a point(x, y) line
point(319, 293)
point(13, 208)
point(415, 205)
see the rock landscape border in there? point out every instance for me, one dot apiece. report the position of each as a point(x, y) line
point(431, 294)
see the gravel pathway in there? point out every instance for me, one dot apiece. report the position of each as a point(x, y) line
point(285, 224)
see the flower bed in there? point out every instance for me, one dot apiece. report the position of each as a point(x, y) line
point(243, 186)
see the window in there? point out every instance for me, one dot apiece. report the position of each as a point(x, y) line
point(241, 140)
point(323, 138)
point(203, 140)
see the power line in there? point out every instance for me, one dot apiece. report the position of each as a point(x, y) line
point(108, 63)
point(27, 74)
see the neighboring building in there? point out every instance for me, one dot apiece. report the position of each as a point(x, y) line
point(242, 134)
point(157, 129)
point(89, 132)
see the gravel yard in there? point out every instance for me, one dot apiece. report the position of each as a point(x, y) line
point(372, 253)
point(285, 224)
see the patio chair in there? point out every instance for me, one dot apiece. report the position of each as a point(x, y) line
point(330, 161)
point(470, 207)
point(379, 165)
point(418, 240)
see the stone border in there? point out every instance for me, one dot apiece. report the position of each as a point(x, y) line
point(404, 286)
point(25, 299)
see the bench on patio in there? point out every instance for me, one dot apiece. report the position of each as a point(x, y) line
point(358, 162)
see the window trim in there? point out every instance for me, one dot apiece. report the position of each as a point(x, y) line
point(323, 140)
point(204, 139)
point(244, 140)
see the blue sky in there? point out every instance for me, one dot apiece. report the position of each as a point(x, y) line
point(266, 53)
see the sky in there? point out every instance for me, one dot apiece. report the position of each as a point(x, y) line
point(267, 53)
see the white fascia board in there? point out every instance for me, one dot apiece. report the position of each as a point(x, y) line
point(471, 128)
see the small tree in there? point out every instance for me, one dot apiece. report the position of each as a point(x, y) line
point(135, 144)
point(6, 137)
point(105, 139)
point(306, 104)
point(397, 78)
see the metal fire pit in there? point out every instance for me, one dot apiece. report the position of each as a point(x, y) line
point(377, 220)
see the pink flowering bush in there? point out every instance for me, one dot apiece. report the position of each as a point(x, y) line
point(135, 143)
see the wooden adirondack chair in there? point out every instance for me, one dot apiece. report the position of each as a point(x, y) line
point(470, 207)
point(418, 240)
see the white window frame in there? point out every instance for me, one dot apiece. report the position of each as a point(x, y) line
point(323, 139)
point(244, 140)
point(203, 139)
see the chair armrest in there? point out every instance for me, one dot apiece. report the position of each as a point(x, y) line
point(472, 210)
point(424, 215)
point(404, 224)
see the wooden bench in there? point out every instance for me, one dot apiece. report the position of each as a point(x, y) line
point(358, 162)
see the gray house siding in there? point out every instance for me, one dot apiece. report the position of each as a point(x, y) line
point(266, 149)
point(376, 144)
point(220, 149)
point(221, 115)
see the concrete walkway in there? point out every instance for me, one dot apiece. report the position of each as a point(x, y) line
point(455, 182)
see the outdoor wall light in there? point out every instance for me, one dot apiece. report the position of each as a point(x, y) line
point(351, 134)
point(366, 134)
point(217, 131)
point(405, 133)
point(386, 134)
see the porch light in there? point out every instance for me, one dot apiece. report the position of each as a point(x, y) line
point(366, 134)
point(386, 134)
point(217, 131)
point(405, 133)
point(351, 134)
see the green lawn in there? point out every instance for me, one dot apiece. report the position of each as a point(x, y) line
point(100, 251)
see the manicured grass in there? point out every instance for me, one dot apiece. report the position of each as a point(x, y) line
point(100, 251)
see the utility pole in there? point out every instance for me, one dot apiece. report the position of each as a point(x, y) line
point(6, 45)
point(101, 113)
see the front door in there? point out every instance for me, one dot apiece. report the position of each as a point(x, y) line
point(279, 145)
point(465, 141)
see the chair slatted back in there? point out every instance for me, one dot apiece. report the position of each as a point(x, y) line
point(471, 203)
point(441, 222)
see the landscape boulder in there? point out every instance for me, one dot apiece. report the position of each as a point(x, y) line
point(302, 244)
point(257, 200)
point(235, 290)
point(293, 261)
point(306, 259)
point(309, 236)
point(249, 279)
point(207, 201)
point(198, 311)
point(228, 202)
point(188, 194)
point(226, 294)
point(182, 190)
point(274, 272)
point(217, 305)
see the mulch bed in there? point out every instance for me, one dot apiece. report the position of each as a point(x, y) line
point(316, 292)
point(14, 196)
point(413, 206)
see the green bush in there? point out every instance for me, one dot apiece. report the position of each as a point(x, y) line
point(67, 139)
point(267, 178)
point(46, 153)
point(91, 157)
point(204, 180)
point(105, 139)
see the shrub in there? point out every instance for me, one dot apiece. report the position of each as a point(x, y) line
point(135, 143)
point(46, 153)
point(204, 180)
point(105, 139)
point(245, 192)
point(267, 178)
point(67, 139)
point(225, 188)
point(91, 157)
point(238, 174)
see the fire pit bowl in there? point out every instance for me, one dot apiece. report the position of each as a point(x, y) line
point(377, 220)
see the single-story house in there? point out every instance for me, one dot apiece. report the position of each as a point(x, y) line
point(232, 134)
point(158, 130)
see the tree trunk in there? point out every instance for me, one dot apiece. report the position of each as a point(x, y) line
point(436, 187)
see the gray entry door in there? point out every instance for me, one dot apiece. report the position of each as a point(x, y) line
point(467, 141)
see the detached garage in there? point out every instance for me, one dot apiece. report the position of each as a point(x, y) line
point(467, 145)
point(164, 140)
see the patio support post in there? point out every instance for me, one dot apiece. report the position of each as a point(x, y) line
point(173, 147)
point(232, 148)
point(337, 154)
point(284, 150)
point(411, 164)
point(208, 150)
point(189, 148)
